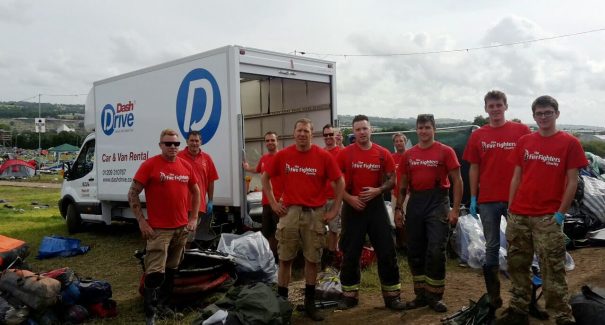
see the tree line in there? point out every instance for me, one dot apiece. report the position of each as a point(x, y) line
point(28, 109)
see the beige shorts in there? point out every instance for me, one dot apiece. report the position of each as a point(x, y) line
point(166, 250)
point(334, 225)
point(301, 228)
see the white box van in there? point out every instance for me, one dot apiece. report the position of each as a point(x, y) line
point(232, 95)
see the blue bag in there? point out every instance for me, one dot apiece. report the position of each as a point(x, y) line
point(60, 246)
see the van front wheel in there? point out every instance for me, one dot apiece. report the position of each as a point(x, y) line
point(73, 219)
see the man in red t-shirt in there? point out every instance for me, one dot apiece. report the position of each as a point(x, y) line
point(305, 168)
point(206, 173)
point(543, 186)
point(168, 182)
point(334, 226)
point(269, 217)
point(424, 172)
point(488, 151)
point(399, 141)
point(369, 172)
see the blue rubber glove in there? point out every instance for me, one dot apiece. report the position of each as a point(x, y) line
point(209, 207)
point(559, 218)
point(473, 207)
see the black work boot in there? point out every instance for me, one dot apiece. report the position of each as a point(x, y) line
point(418, 302)
point(348, 302)
point(310, 308)
point(150, 304)
point(437, 305)
point(393, 301)
point(164, 309)
point(512, 316)
point(492, 284)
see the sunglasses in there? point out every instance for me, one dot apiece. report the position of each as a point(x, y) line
point(328, 135)
point(544, 114)
point(171, 143)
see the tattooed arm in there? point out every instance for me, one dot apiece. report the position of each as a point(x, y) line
point(135, 205)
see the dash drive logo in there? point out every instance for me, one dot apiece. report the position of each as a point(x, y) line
point(118, 119)
point(198, 104)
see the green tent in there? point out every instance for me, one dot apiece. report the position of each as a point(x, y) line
point(66, 147)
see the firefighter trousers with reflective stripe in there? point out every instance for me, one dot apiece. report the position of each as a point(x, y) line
point(374, 222)
point(427, 229)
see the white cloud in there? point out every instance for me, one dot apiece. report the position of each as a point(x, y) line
point(63, 46)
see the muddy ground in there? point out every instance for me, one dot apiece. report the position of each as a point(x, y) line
point(463, 283)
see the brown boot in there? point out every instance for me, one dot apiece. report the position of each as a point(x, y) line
point(512, 316)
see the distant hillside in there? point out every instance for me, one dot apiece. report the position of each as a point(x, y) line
point(404, 123)
point(47, 110)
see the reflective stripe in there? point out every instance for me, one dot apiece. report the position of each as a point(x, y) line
point(354, 287)
point(419, 278)
point(394, 287)
point(434, 282)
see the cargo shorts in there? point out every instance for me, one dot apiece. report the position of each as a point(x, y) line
point(304, 228)
point(334, 225)
point(165, 250)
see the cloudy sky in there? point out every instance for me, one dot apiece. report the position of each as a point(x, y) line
point(60, 47)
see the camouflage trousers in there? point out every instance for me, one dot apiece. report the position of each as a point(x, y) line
point(542, 235)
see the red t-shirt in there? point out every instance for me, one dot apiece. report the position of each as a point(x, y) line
point(364, 168)
point(329, 189)
point(166, 190)
point(428, 168)
point(205, 171)
point(544, 162)
point(491, 148)
point(304, 174)
point(397, 157)
point(276, 182)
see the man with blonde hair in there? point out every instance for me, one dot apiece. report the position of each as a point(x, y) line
point(168, 182)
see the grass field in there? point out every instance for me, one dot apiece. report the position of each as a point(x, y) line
point(110, 258)
point(111, 255)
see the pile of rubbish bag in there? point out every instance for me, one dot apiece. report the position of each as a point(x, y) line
point(252, 255)
point(468, 242)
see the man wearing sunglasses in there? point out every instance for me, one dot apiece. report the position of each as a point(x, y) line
point(206, 174)
point(426, 170)
point(543, 186)
point(269, 217)
point(168, 182)
point(488, 151)
point(334, 226)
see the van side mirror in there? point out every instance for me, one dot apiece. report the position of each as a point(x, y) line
point(66, 169)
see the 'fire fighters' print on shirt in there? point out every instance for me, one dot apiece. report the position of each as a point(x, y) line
point(364, 168)
point(490, 148)
point(428, 168)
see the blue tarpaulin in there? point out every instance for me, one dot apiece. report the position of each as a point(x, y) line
point(52, 246)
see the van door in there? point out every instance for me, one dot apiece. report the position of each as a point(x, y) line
point(82, 176)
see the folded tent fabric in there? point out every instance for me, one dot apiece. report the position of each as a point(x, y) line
point(52, 246)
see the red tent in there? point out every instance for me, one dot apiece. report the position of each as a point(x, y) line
point(16, 168)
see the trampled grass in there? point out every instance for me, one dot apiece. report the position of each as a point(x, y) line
point(111, 255)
